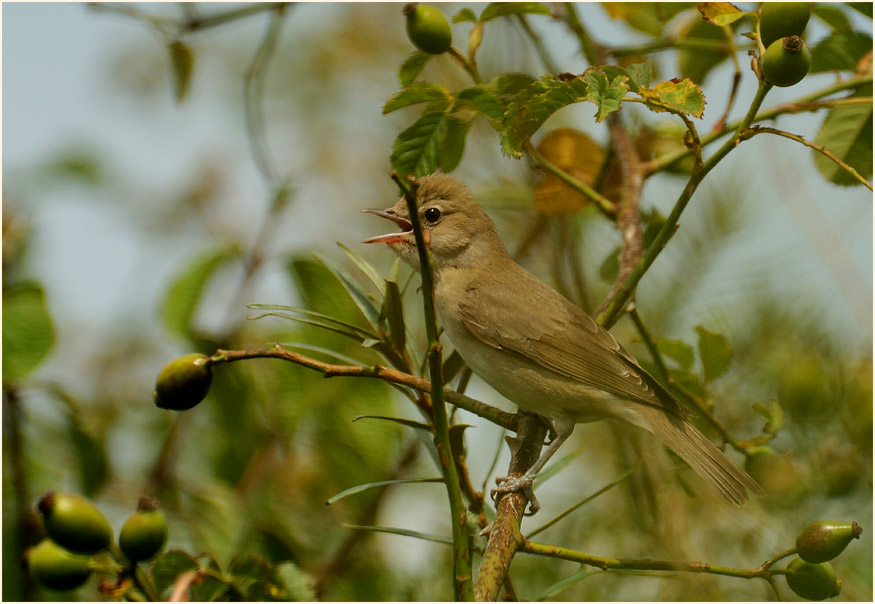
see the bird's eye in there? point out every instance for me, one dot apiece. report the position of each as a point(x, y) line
point(432, 215)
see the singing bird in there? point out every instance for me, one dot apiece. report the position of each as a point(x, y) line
point(533, 345)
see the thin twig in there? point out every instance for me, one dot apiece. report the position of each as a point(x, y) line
point(751, 132)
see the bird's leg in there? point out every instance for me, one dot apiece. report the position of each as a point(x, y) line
point(513, 484)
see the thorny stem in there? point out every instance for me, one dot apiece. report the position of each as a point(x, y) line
point(751, 132)
point(463, 586)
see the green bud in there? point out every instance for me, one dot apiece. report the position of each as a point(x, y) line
point(75, 523)
point(822, 541)
point(56, 568)
point(813, 581)
point(183, 382)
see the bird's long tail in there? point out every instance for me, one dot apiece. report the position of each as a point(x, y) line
point(701, 454)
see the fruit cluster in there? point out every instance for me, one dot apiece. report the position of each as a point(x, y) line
point(786, 58)
point(77, 531)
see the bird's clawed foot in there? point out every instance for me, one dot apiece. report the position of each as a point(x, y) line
point(515, 484)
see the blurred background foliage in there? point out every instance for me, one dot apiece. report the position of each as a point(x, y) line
point(125, 247)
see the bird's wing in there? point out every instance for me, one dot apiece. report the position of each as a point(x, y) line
point(562, 338)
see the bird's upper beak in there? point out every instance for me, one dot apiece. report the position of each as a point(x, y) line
point(406, 228)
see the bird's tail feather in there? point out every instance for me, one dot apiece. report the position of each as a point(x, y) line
point(702, 455)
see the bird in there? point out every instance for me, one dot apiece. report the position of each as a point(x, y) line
point(534, 346)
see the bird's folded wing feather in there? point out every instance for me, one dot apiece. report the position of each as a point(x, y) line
point(562, 338)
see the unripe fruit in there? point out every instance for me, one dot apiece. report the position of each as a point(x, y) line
point(786, 61)
point(782, 19)
point(427, 28)
point(822, 541)
point(183, 382)
point(75, 523)
point(54, 567)
point(144, 533)
point(813, 581)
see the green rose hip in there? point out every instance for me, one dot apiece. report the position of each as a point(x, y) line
point(427, 28)
point(144, 533)
point(813, 581)
point(822, 541)
point(786, 61)
point(56, 568)
point(75, 523)
point(782, 19)
point(183, 382)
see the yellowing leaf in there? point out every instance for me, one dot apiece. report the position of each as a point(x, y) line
point(721, 13)
point(577, 154)
point(681, 95)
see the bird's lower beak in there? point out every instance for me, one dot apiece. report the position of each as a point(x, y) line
point(404, 235)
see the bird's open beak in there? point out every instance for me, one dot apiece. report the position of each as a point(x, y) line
point(406, 228)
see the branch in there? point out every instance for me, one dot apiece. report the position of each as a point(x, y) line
point(762, 572)
point(505, 536)
point(497, 416)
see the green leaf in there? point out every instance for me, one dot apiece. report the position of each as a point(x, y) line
point(28, 334)
point(403, 532)
point(415, 93)
point(452, 364)
point(483, 99)
point(361, 299)
point(610, 266)
point(847, 133)
point(721, 13)
point(394, 310)
point(376, 485)
point(683, 96)
point(363, 265)
point(715, 352)
point(452, 145)
point(417, 148)
point(533, 105)
point(412, 67)
point(774, 416)
point(550, 592)
point(864, 8)
point(184, 294)
point(832, 15)
point(466, 14)
point(647, 17)
point(167, 567)
point(298, 584)
point(182, 64)
point(639, 75)
point(398, 420)
point(605, 93)
point(254, 578)
point(679, 351)
point(503, 9)
point(510, 84)
point(840, 52)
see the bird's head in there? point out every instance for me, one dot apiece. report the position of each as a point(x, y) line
point(455, 227)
